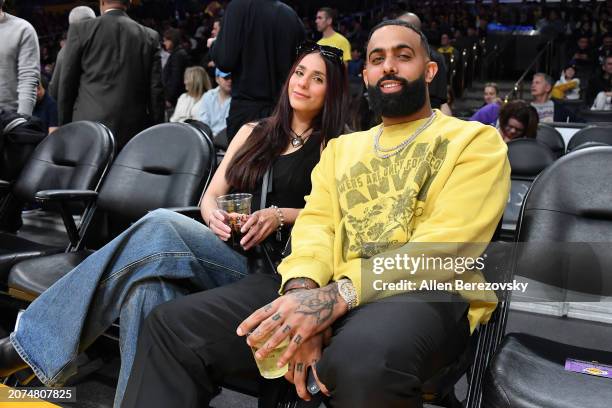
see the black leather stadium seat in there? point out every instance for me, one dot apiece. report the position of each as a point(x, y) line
point(600, 134)
point(75, 157)
point(168, 165)
point(596, 116)
point(568, 203)
point(551, 138)
point(528, 157)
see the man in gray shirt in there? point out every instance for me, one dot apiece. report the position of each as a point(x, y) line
point(19, 63)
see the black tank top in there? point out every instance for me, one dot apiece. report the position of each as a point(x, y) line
point(290, 182)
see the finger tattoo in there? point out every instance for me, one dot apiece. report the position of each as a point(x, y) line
point(286, 329)
point(299, 367)
point(268, 307)
point(297, 339)
point(276, 317)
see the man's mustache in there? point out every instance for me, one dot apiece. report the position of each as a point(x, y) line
point(403, 81)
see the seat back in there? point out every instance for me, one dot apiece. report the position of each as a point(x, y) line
point(551, 138)
point(75, 156)
point(600, 134)
point(594, 116)
point(167, 165)
point(528, 157)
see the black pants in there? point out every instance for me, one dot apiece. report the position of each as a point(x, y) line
point(379, 356)
point(242, 112)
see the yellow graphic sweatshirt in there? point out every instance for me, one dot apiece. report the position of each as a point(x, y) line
point(450, 184)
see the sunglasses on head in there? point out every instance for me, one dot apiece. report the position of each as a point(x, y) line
point(332, 53)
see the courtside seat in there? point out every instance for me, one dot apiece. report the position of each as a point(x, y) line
point(568, 203)
point(527, 157)
point(551, 138)
point(75, 157)
point(529, 372)
point(599, 134)
point(165, 166)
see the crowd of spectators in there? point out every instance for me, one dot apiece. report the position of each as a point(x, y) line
point(188, 34)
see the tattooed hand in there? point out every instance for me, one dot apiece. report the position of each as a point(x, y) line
point(307, 356)
point(299, 314)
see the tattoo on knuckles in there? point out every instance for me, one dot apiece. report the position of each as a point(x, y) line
point(286, 329)
point(276, 317)
point(297, 339)
point(299, 367)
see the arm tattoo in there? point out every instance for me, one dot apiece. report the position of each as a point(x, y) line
point(286, 329)
point(318, 303)
point(276, 317)
point(299, 367)
point(297, 339)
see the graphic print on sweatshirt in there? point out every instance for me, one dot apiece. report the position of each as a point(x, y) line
point(380, 198)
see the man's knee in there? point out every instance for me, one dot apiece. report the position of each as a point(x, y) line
point(367, 378)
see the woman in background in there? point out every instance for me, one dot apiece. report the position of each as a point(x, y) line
point(197, 83)
point(518, 119)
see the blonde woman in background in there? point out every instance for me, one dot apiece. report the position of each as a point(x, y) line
point(197, 83)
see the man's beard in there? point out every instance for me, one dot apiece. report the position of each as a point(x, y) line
point(405, 102)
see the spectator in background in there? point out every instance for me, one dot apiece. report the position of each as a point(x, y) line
point(111, 73)
point(325, 25)
point(174, 70)
point(215, 105)
point(489, 113)
point(197, 83)
point(548, 109)
point(601, 82)
point(257, 44)
point(445, 47)
point(518, 119)
point(568, 86)
point(46, 107)
point(77, 14)
point(438, 86)
point(603, 101)
point(19, 63)
point(207, 61)
point(490, 93)
point(605, 49)
point(583, 57)
point(355, 65)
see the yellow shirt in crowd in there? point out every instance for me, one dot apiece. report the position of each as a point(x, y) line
point(339, 41)
point(450, 185)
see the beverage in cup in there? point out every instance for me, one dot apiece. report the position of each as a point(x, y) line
point(268, 365)
point(237, 208)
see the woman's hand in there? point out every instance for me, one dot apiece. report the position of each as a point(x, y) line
point(307, 356)
point(218, 224)
point(259, 226)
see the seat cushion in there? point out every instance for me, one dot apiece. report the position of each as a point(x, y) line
point(34, 276)
point(14, 249)
point(528, 372)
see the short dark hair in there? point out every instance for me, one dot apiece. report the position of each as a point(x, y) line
point(407, 25)
point(329, 11)
point(174, 35)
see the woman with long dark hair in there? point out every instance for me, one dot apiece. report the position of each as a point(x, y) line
point(165, 255)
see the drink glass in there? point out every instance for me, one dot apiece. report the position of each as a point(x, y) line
point(237, 208)
point(267, 365)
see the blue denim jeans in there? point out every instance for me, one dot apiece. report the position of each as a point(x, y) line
point(150, 263)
